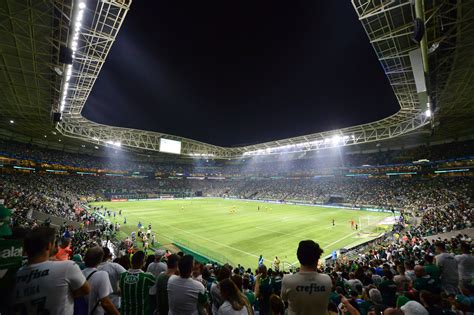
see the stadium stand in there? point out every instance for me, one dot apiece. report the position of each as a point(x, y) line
point(382, 275)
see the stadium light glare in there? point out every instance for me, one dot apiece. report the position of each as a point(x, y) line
point(336, 139)
point(12, 121)
point(73, 44)
point(114, 143)
point(428, 113)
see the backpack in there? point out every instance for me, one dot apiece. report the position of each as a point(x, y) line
point(81, 304)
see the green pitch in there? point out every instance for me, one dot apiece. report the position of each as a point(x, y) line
point(209, 227)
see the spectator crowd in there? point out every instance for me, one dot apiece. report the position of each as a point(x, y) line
point(74, 269)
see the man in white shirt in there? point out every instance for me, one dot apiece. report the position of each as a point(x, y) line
point(44, 286)
point(98, 298)
point(448, 267)
point(157, 266)
point(184, 293)
point(307, 291)
point(465, 265)
point(114, 271)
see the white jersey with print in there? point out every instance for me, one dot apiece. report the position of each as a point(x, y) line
point(306, 293)
point(47, 287)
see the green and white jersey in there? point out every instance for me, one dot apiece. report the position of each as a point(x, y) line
point(135, 286)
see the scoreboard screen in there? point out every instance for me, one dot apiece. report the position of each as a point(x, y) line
point(170, 146)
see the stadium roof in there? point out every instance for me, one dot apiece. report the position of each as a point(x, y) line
point(33, 83)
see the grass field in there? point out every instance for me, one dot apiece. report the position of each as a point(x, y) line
point(208, 227)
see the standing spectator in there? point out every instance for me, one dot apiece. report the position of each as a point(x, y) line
point(162, 284)
point(56, 283)
point(64, 249)
point(135, 286)
point(465, 265)
point(114, 271)
point(247, 290)
point(307, 291)
point(185, 295)
point(388, 288)
point(223, 273)
point(98, 298)
point(157, 266)
point(235, 302)
point(448, 267)
point(263, 290)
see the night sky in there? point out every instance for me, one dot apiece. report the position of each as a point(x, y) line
point(240, 72)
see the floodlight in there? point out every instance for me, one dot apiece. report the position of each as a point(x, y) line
point(428, 113)
point(336, 139)
point(12, 121)
point(82, 5)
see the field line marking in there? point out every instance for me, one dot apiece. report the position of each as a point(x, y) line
point(349, 235)
point(292, 235)
point(208, 239)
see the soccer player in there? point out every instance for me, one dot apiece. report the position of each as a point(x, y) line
point(333, 222)
point(260, 260)
point(276, 264)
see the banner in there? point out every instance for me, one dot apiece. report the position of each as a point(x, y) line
point(11, 252)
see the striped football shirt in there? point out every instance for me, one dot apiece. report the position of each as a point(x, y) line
point(134, 286)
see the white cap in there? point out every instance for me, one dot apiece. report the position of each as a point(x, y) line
point(414, 308)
